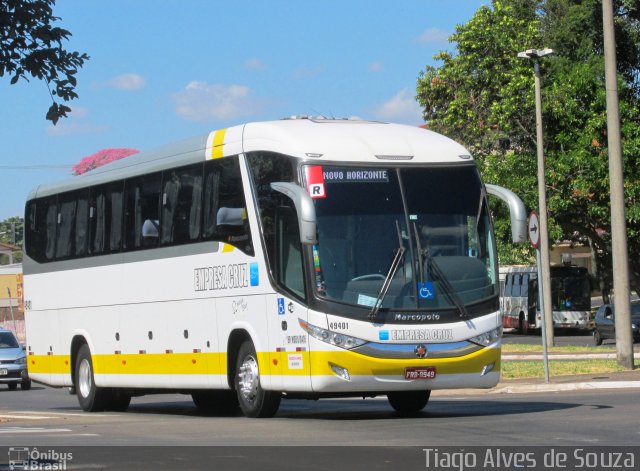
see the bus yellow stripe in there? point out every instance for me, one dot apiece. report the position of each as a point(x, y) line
point(274, 363)
point(218, 144)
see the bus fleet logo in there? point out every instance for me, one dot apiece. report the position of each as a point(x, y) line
point(420, 351)
point(218, 277)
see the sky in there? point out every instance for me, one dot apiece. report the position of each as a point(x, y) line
point(164, 70)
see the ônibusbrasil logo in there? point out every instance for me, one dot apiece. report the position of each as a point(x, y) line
point(25, 458)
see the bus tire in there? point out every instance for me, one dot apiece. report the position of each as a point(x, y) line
point(117, 401)
point(90, 397)
point(408, 402)
point(522, 324)
point(253, 400)
point(223, 403)
point(25, 385)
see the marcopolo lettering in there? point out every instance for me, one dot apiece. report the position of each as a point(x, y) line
point(221, 277)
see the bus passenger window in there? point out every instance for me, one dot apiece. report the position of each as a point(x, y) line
point(142, 203)
point(225, 215)
point(181, 205)
point(106, 219)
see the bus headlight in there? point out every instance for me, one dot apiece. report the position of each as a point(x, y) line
point(333, 338)
point(488, 337)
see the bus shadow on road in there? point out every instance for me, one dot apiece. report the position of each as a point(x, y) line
point(379, 410)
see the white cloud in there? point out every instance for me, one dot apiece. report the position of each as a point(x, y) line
point(200, 101)
point(401, 108)
point(127, 82)
point(255, 64)
point(377, 66)
point(433, 36)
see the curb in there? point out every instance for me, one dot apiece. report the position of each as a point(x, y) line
point(559, 387)
point(559, 356)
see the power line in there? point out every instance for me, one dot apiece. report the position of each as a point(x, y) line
point(35, 167)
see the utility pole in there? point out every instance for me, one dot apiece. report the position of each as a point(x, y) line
point(624, 339)
point(544, 275)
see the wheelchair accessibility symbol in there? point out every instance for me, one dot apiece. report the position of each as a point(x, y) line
point(426, 291)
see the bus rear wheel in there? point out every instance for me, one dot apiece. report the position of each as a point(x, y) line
point(91, 397)
point(409, 402)
point(254, 401)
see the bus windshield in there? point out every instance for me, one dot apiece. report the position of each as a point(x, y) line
point(424, 232)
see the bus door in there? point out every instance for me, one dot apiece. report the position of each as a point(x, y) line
point(289, 352)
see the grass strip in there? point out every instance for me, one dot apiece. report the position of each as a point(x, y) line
point(535, 369)
point(526, 348)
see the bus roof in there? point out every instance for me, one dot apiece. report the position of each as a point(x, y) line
point(314, 139)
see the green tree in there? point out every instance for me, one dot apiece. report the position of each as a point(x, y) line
point(12, 232)
point(483, 97)
point(30, 45)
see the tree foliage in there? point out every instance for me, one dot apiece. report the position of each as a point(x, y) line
point(100, 158)
point(30, 45)
point(12, 232)
point(483, 96)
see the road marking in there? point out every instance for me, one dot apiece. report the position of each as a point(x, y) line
point(32, 417)
point(5, 430)
point(65, 414)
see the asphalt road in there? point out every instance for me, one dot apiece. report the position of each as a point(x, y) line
point(46, 418)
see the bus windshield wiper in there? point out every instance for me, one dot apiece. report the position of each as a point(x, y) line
point(395, 264)
point(439, 275)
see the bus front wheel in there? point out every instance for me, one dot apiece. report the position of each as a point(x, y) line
point(408, 402)
point(254, 401)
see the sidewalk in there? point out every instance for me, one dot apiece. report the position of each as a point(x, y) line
point(616, 380)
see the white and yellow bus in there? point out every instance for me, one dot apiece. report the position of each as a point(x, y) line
point(301, 258)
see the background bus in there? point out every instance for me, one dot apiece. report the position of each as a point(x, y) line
point(570, 295)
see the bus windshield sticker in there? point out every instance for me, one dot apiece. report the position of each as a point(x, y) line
point(315, 181)
point(426, 290)
point(365, 300)
point(356, 175)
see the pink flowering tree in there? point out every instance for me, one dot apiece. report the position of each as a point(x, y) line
point(101, 158)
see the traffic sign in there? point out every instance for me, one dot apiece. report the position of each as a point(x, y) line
point(534, 229)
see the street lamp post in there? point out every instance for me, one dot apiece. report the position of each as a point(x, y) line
point(544, 276)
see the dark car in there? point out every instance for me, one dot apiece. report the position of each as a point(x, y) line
point(605, 325)
point(13, 362)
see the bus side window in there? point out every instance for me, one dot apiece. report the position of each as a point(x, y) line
point(181, 205)
point(41, 229)
point(106, 218)
point(142, 213)
point(524, 289)
point(517, 284)
point(225, 209)
point(508, 284)
point(289, 250)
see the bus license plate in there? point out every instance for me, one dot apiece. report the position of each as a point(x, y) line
point(420, 372)
point(3, 372)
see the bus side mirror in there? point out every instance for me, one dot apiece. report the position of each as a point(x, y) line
point(304, 208)
point(516, 211)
